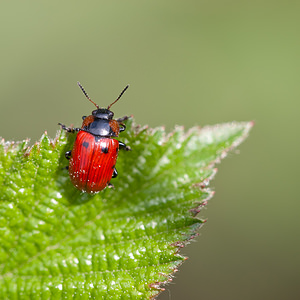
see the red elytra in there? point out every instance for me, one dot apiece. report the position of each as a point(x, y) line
point(92, 162)
point(95, 151)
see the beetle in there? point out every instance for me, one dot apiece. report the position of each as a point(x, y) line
point(93, 157)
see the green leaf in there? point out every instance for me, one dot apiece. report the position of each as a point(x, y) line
point(122, 243)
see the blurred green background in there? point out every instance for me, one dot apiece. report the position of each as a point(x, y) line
point(188, 63)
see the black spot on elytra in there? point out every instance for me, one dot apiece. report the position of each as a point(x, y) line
point(104, 150)
point(85, 144)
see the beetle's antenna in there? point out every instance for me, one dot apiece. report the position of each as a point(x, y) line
point(126, 87)
point(85, 93)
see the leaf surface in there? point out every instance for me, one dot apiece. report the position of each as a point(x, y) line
point(123, 243)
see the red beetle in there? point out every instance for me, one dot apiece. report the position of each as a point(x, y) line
point(95, 151)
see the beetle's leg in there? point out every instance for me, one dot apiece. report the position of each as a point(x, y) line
point(68, 129)
point(68, 155)
point(122, 126)
point(115, 173)
point(110, 185)
point(83, 117)
point(123, 146)
point(120, 120)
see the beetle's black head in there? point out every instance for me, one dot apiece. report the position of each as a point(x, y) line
point(103, 113)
